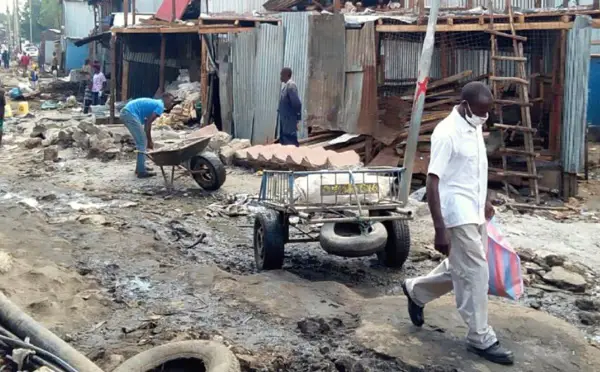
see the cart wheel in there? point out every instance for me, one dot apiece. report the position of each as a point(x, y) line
point(269, 243)
point(214, 174)
point(397, 246)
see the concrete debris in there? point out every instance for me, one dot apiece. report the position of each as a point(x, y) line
point(228, 151)
point(587, 304)
point(588, 318)
point(564, 279)
point(31, 143)
point(51, 154)
point(92, 219)
point(276, 156)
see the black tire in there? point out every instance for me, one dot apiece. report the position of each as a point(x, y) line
point(215, 176)
point(348, 243)
point(397, 247)
point(269, 240)
point(214, 356)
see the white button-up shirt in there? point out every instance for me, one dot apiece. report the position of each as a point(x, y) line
point(459, 159)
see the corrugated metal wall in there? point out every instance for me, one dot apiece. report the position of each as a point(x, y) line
point(234, 6)
point(577, 68)
point(295, 56)
point(75, 56)
point(497, 4)
point(267, 85)
point(79, 19)
point(360, 98)
point(243, 49)
point(326, 75)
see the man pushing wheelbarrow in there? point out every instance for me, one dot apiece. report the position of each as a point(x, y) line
point(138, 116)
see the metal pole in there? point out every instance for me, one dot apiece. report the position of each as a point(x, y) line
point(30, 23)
point(418, 102)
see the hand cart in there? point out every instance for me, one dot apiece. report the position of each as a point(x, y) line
point(356, 213)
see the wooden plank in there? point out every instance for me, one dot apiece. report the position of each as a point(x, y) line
point(502, 173)
point(161, 71)
point(441, 102)
point(507, 58)
point(507, 102)
point(113, 76)
point(476, 27)
point(518, 128)
point(430, 94)
point(509, 79)
point(125, 81)
point(503, 34)
point(125, 12)
point(512, 151)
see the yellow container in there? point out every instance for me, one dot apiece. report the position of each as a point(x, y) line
point(8, 111)
point(23, 108)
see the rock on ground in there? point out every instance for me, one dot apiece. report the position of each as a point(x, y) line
point(564, 279)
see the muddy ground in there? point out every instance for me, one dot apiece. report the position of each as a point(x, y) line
point(115, 265)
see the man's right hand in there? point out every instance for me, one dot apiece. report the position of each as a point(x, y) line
point(441, 243)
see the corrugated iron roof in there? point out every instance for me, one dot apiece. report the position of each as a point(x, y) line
point(165, 11)
point(234, 6)
point(243, 49)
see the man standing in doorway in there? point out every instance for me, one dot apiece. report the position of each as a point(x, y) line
point(138, 116)
point(457, 198)
point(289, 110)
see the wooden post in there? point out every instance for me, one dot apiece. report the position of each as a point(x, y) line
point(125, 81)
point(173, 11)
point(125, 11)
point(337, 6)
point(132, 12)
point(161, 73)
point(113, 76)
point(444, 55)
point(204, 77)
point(596, 4)
point(565, 3)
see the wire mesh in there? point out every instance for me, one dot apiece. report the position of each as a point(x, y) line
point(328, 188)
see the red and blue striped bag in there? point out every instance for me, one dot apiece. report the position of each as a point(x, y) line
point(506, 279)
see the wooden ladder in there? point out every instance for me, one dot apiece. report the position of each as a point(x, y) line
point(522, 81)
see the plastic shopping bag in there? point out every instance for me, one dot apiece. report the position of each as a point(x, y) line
point(506, 279)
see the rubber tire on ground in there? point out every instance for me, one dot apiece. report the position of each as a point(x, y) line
point(269, 230)
point(215, 167)
point(397, 247)
point(354, 245)
point(216, 357)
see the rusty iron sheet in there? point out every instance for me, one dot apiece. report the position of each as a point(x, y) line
point(280, 5)
point(326, 76)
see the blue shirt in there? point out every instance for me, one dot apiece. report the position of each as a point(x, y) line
point(143, 108)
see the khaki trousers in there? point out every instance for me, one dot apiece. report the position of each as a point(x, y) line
point(466, 271)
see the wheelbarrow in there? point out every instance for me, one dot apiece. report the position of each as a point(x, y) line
point(189, 158)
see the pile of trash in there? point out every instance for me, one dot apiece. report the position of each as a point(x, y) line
point(188, 94)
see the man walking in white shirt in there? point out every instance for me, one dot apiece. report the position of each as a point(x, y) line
point(457, 198)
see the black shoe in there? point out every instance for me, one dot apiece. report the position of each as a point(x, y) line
point(495, 354)
point(415, 311)
point(146, 175)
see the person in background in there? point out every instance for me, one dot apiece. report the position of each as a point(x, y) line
point(289, 110)
point(87, 67)
point(2, 107)
point(34, 76)
point(5, 58)
point(457, 196)
point(25, 60)
point(138, 116)
point(54, 67)
point(98, 82)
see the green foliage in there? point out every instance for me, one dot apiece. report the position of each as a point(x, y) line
point(45, 15)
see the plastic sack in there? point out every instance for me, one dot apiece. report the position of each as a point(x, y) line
point(506, 279)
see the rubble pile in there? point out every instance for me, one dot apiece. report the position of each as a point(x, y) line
point(188, 94)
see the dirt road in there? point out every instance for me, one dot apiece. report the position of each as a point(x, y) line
point(114, 265)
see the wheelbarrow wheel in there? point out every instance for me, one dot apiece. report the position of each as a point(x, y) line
point(211, 170)
point(269, 240)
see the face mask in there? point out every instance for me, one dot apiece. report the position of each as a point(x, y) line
point(474, 120)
